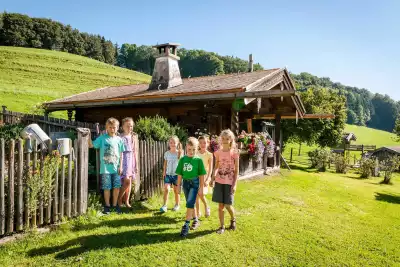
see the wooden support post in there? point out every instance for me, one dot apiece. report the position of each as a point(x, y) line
point(41, 197)
point(291, 155)
point(2, 177)
point(69, 186)
point(55, 197)
point(10, 209)
point(362, 149)
point(235, 121)
point(49, 197)
point(299, 149)
point(278, 139)
point(249, 125)
point(83, 156)
point(3, 117)
point(69, 113)
point(62, 188)
point(28, 176)
point(75, 181)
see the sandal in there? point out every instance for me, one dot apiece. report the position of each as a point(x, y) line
point(233, 225)
point(221, 230)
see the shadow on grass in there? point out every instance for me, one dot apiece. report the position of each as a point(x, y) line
point(84, 244)
point(146, 221)
point(302, 168)
point(387, 198)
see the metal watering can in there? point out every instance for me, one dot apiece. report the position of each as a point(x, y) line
point(34, 132)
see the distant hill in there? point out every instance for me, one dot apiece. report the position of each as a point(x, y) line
point(368, 136)
point(32, 76)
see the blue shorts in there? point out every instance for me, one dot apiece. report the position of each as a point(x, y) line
point(171, 179)
point(110, 181)
point(190, 189)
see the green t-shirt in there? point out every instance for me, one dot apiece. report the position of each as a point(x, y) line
point(190, 168)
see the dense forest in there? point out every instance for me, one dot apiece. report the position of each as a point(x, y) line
point(363, 107)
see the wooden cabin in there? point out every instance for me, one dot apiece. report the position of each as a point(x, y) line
point(213, 102)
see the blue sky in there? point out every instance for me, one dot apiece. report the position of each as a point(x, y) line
point(353, 42)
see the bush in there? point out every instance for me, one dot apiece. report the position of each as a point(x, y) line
point(366, 167)
point(158, 129)
point(388, 166)
point(11, 131)
point(320, 158)
point(341, 165)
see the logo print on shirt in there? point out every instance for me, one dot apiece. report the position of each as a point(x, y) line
point(187, 167)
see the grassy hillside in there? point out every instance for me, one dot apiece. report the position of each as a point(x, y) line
point(369, 136)
point(32, 76)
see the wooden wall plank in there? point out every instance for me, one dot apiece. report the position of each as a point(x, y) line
point(41, 164)
point(34, 169)
point(28, 176)
point(75, 181)
point(62, 188)
point(69, 186)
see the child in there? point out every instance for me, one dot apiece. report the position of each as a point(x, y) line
point(111, 148)
point(191, 170)
point(171, 158)
point(129, 169)
point(207, 158)
point(225, 177)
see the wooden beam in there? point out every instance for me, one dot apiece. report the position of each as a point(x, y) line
point(293, 116)
point(249, 125)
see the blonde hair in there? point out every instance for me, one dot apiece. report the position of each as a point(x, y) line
point(228, 133)
point(126, 120)
point(112, 121)
point(178, 145)
point(192, 141)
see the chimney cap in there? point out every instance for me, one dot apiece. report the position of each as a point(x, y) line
point(166, 44)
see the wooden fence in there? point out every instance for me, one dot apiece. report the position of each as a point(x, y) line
point(48, 124)
point(24, 205)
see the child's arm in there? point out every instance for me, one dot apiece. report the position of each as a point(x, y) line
point(164, 172)
point(236, 175)
point(121, 163)
point(215, 171)
point(209, 171)
point(90, 143)
point(201, 177)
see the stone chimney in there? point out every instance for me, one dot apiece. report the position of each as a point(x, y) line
point(251, 63)
point(166, 72)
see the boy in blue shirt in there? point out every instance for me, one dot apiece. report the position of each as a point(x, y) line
point(111, 147)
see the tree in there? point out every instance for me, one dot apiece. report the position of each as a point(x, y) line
point(323, 132)
point(388, 166)
point(396, 128)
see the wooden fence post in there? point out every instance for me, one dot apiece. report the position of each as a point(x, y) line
point(83, 156)
point(62, 189)
point(75, 180)
point(55, 197)
point(27, 151)
point(10, 210)
point(138, 169)
point(20, 195)
point(41, 166)
point(69, 186)
point(34, 169)
point(2, 177)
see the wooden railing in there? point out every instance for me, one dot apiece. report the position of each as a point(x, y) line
point(360, 147)
point(21, 205)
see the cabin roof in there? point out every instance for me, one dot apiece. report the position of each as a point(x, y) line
point(244, 85)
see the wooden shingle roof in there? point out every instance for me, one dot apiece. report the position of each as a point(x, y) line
point(200, 85)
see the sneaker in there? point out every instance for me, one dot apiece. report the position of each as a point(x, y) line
point(118, 209)
point(233, 225)
point(221, 230)
point(185, 230)
point(195, 225)
point(208, 212)
point(176, 208)
point(106, 210)
point(163, 209)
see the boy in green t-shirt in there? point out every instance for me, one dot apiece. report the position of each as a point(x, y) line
point(191, 170)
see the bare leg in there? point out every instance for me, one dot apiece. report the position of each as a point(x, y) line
point(177, 196)
point(128, 192)
point(122, 191)
point(115, 196)
point(107, 197)
point(189, 214)
point(231, 211)
point(197, 207)
point(204, 200)
point(221, 214)
point(166, 191)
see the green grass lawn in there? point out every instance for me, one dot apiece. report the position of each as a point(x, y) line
point(300, 218)
point(32, 76)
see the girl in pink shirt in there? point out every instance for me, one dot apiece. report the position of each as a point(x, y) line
point(225, 177)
